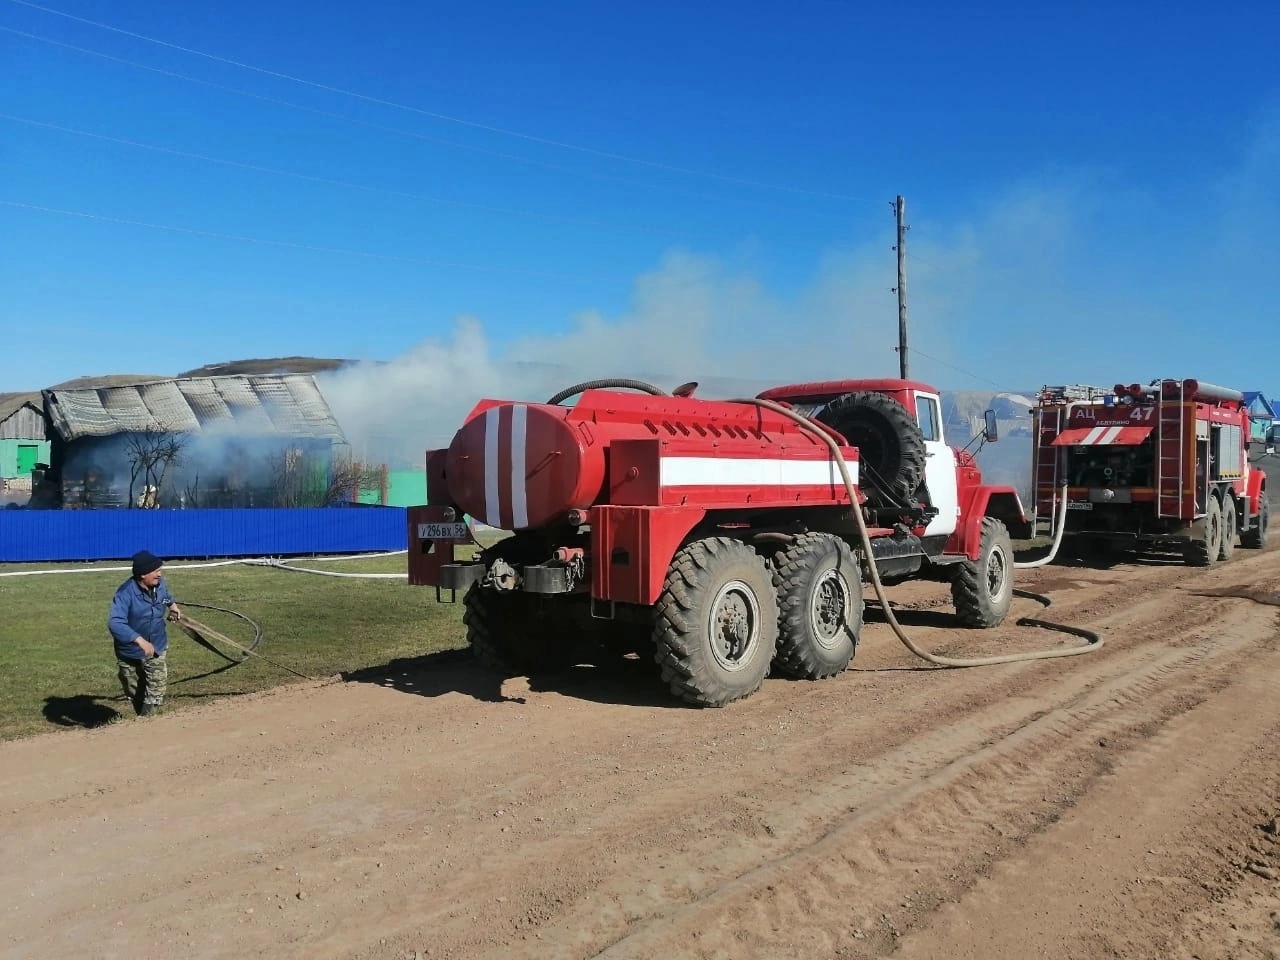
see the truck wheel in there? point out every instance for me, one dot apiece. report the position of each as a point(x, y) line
point(891, 451)
point(716, 622)
point(1256, 537)
point(982, 589)
point(1203, 551)
point(819, 585)
point(1228, 545)
point(509, 633)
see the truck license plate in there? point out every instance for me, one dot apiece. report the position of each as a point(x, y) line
point(1079, 505)
point(443, 531)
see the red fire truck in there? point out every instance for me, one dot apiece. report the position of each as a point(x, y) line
point(1163, 464)
point(718, 535)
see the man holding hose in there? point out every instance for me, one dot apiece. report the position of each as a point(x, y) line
point(137, 623)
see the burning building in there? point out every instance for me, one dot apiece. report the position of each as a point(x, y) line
point(192, 442)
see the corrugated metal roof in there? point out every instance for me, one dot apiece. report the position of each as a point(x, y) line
point(288, 406)
point(108, 380)
point(11, 403)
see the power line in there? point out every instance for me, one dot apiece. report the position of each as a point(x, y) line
point(413, 134)
point(290, 244)
point(924, 263)
point(967, 373)
point(323, 180)
point(532, 138)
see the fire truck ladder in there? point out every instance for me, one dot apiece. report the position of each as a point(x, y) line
point(1048, 462)
point(1171, 460)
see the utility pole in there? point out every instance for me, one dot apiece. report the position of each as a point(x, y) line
point(899, 212)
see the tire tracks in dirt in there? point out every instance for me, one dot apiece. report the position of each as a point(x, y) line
point(1160, 832)
point(925, 824)
point(617, 905)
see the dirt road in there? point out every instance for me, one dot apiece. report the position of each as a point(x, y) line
point(1121, 804)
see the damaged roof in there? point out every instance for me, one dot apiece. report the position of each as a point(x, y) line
point(286, 406)
point(11, 403)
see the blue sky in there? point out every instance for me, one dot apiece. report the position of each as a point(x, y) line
point(680, 190)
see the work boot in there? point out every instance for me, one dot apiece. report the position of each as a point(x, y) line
point(149, 710)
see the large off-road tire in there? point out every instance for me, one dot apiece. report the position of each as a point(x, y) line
point(819, 585)
point(716, 622)
point(1256, 537)
point(1203, 550)
point(513, 633)
point(891, 450)
point(1227, 545)
point(982, 589)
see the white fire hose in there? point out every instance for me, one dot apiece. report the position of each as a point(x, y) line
point(1057, 537)
point(1095, 641)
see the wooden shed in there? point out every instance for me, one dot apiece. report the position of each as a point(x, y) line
point(23, 440)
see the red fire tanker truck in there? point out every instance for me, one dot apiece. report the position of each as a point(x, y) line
point(719, 535)
point(1162, 464)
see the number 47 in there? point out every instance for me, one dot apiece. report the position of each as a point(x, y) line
point(1141, 413)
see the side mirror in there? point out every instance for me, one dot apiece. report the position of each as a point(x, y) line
point(990, 432)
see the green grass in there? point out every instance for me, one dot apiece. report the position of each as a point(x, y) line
point(57, 668)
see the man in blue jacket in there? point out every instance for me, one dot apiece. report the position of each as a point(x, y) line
point(137, 624)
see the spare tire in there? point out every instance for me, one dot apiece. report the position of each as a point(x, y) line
point(890, 445)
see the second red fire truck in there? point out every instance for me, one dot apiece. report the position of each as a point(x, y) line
point(1158, 464)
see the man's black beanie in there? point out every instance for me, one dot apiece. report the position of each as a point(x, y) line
point(144, 562)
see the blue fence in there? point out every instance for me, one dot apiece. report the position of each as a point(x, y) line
point(48, 535)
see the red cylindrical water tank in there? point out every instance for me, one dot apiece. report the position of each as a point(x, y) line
point(520, 465)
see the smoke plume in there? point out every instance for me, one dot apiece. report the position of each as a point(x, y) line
point(689, 320)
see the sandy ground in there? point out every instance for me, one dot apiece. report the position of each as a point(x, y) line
point(1120, 804)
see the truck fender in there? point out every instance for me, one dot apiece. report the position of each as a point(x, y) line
point(1003, 503)
point(1255, 490)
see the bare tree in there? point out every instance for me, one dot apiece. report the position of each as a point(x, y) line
point(349, 478)
point(151, 453)
point(288, 477)
point(304, 479)
point(191, 493)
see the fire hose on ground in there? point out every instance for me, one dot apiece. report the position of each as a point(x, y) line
point(1095, 640)
point(204, 634)
point(1057, 536)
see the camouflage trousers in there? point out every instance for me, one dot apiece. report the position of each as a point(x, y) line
point(144, 681)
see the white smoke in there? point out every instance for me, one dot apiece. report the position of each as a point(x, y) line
point(695, 318)
point(691, 319)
